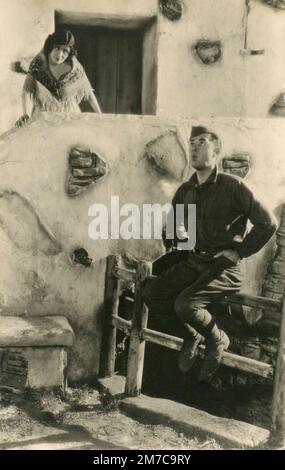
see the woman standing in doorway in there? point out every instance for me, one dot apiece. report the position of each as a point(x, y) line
point(56, 81)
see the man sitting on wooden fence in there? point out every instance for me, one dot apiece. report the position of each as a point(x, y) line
point(204, 275)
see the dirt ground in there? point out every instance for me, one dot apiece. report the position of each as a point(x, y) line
point(84, 418)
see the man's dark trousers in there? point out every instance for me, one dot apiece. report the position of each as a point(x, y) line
point(191, 282)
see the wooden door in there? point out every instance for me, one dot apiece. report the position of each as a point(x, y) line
point(112, 59)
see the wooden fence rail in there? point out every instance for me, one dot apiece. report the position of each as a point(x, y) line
point(245, 364)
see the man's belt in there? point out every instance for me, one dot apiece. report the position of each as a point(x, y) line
point(201, 252)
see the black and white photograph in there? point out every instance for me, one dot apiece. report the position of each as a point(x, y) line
point(142, 228)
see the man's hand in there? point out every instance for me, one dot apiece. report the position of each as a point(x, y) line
point(232, 255)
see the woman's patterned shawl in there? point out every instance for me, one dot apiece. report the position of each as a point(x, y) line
point(51, 94)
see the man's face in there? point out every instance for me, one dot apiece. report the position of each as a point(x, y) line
point(203, 152)
point(59, 54)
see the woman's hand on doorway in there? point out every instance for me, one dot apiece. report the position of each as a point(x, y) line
point(92, 100)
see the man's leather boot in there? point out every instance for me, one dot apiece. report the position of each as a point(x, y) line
point(216, 344)
point(187, 354)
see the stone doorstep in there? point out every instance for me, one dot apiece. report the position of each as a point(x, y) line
point(35, 331)
point(188, 420)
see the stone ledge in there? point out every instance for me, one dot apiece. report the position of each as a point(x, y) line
point(188, 420)
point(115, 384)
point(35, 331)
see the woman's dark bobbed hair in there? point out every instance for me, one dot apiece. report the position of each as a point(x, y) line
point(60, 38)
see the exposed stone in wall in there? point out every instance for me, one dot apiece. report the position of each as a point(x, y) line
point(208, 51)
point(86, 169)
point(172, 9)
point(13, 369)
point(274, 284)
point(167, 155)
point(237, 164)
point(278, 108)
point(274, 287)
point(279, 4)
point(18, 218)
point(80, 256)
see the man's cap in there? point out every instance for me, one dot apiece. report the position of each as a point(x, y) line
point(198, 130)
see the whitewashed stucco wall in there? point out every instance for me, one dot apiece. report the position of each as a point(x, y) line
point(240, 85)
point(37, 274)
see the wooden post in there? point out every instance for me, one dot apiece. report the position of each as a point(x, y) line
point(111, 304)
point(277, 431)
point(137, 343)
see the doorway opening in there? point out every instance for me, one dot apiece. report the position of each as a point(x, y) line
point(119, 57)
